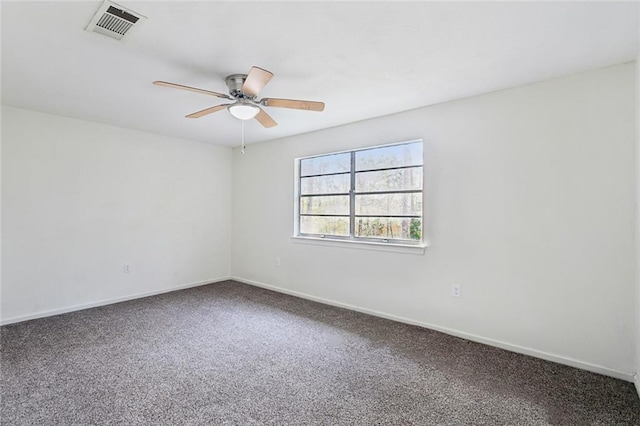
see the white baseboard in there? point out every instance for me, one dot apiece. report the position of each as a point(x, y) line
point(627, 376)
point(106, 302)
point(636, 381)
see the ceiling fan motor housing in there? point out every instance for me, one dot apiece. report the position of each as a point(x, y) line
point(234, 83)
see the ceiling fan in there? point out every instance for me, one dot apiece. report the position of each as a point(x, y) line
point(244, 90)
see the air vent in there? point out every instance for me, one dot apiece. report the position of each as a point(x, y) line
point(114, 21)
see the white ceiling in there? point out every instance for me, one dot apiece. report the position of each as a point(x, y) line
point(363, 59)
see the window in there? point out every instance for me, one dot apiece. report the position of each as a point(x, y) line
point(372, 194)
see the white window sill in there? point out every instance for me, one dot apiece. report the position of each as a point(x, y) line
point(417, 249)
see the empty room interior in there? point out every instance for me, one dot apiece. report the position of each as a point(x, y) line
point(320, 213)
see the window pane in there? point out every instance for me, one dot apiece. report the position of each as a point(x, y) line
point(390, 156)
point(389, 228)
point(389, 204)
point(389, 180)
point(331, 184)
point(334, 163)
point(324, 225)
point(325, 205)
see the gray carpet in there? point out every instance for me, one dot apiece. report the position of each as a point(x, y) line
point(232, 354)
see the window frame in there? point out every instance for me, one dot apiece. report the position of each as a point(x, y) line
point(352, 194)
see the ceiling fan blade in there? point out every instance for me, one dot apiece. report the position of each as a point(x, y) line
point(207, 111)
point(265, 119)
point(293, 103)
point(256, 80)
point(191, 89)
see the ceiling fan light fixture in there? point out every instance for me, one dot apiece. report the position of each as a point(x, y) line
point(244, 111)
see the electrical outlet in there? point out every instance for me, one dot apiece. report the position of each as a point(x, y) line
point(456, 290)
point(278, 262)
point(127, 269)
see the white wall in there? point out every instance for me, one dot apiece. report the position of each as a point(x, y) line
point(80, 199)
point(529, 201)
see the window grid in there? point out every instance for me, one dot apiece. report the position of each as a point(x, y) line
point(352, 193)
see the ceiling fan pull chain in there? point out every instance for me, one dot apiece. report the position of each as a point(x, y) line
point(243, 145)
